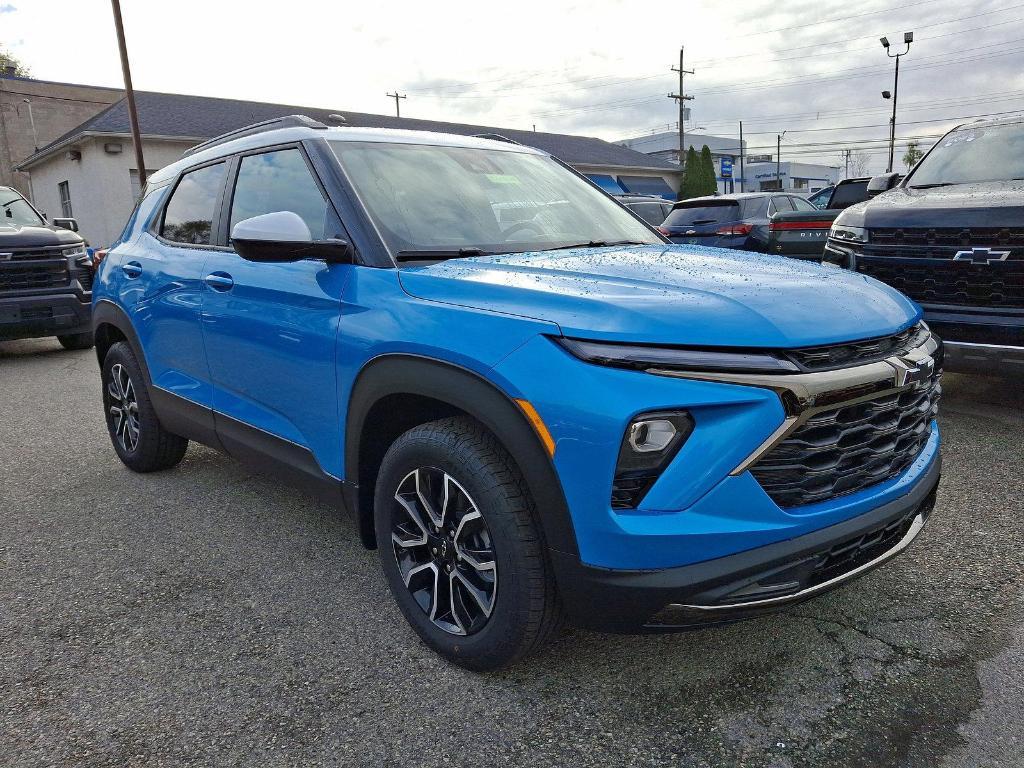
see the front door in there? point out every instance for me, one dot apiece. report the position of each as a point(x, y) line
point(271, 329)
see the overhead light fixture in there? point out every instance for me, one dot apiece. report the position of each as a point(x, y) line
point(908, 37)
point(885, 42)
point(886, 95)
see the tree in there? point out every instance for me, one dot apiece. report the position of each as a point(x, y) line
point(912, 155)
point(8, 59)
point(858, 164)
point(709, 184)
point(690, 186)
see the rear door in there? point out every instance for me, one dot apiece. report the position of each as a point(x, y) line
point(161, 284)
point(271, 329)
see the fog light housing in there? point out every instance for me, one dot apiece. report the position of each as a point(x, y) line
point(650, 442)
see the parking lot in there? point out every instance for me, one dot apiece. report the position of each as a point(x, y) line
point(210, 616)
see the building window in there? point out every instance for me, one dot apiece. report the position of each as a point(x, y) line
point(64, 190)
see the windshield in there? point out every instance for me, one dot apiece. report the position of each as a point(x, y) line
point(846, 195)
point(466, 201)
point(968, 155)
point(14, 209)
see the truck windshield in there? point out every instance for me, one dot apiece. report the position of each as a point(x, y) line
point(15, 210)
point(970, 155)
point(463, 201)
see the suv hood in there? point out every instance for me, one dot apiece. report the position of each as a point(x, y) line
point(991, 204)
point(672, 295)
point(22, 236)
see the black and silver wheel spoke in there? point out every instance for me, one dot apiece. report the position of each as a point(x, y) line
point(444, 551)
point(124, 408)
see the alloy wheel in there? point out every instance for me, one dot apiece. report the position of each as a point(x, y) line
point(444, 550)
point(124, 408)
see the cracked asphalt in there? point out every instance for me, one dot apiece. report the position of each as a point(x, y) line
point(209, 616)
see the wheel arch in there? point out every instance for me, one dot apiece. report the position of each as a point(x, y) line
point(396, 392)
point(111, 324)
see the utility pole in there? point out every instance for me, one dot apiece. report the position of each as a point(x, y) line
point(129, 92)
point(778, 160)
point(743, 178)
point(396, 96)
point(847, 153)
point(681, 98)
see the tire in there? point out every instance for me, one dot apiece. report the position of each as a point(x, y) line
point(76, 340)
point(139, 439)
point(480, 477)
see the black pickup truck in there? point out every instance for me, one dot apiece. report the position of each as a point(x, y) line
point(45, 276)
point(801, 234)
point(951, 237)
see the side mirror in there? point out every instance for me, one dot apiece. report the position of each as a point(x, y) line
point(71, 224)
point(879, 184)
point(283, 236)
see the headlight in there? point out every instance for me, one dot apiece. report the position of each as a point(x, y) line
point(75, 250)
point(642, 357)
point(847, 234)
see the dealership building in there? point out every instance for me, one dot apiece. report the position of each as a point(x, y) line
point(725, 153)
point(88, 171)
point(803, 178)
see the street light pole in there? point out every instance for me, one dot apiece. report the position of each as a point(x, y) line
point(908, 38)
point(129, 92)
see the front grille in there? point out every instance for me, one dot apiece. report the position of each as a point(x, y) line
point(921, 263)
point(858, 352)
point(851, 447)
point(949, 237)
point(28, 275)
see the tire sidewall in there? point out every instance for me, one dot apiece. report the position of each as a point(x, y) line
point(121, 354)
point(503, 633)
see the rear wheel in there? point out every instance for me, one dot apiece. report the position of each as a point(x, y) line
point(138, 437)
point(460, 546)
point(76, 340)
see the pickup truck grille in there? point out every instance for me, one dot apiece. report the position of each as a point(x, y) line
point(849, 448)
point(29, 275)
point(858, 352)
point(921, 263)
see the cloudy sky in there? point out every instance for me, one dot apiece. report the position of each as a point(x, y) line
point(812, 68)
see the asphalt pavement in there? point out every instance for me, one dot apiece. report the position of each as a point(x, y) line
point(211, 616)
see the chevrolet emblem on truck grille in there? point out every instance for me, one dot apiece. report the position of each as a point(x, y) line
point(981, 255)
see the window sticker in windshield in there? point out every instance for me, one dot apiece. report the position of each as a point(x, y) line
point(962, 137)
point(502, 178)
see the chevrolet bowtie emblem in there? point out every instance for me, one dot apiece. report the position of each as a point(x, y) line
point(981, 255)
point(911, 371)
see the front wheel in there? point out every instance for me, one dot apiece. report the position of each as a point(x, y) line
point(460, 545)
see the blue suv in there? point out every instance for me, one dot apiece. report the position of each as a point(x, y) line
point(533, 405)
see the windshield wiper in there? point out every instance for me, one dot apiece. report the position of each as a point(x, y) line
point(595, 244)
point(439, 254)
point(933, 186)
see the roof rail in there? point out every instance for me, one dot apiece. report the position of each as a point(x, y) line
point(495, 137)
point(288, 121)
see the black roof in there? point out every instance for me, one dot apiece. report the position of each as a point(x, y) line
point(202, 117)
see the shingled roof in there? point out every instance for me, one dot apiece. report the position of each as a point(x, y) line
point(197, 118)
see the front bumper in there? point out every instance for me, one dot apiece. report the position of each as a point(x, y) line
point(969, 357)
point(32, 316)
point(748, 583)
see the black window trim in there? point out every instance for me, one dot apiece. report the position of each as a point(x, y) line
point(157, 225)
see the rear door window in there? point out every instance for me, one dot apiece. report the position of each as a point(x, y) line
point(190, 211)
point(652, 213)
point(704, 212)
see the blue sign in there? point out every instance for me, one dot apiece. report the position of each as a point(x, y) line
point(726, 167)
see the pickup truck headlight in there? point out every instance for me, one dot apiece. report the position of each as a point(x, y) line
point(75, 250)
point(843, 233)
point(643, 357)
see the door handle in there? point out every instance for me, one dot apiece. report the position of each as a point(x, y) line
point(132, 269)
point(219, 281)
